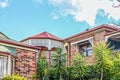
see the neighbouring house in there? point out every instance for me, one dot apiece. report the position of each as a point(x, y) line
point(48, 44)
point(16, 57)
point(21, 57)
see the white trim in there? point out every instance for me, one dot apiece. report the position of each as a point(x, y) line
point(9, 65)
point(81, 40)
point(91, 41)
point(49, 45)
point(18, 47)
point(29, 41)
point(106, 38)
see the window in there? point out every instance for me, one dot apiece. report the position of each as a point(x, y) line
point(86, 50)
point(3, 66)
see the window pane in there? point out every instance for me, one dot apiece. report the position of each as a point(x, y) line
point(89, 51)
point(2, 66)
point(84, 53)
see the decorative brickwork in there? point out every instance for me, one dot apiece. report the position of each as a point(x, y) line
point(25, 63)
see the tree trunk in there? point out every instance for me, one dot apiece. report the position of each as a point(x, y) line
point(80, 78)
point(101, 77)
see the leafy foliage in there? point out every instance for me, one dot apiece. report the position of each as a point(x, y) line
point(79, 68)
point(102, 61)
point(42, 69)
point(116, 68)
point(59, 64)
point(14, 77)
point(105, 67)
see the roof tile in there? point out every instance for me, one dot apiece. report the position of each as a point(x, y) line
point(43, 35)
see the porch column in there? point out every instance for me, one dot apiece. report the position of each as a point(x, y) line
point(49, 63)
point(49, 53)
point(9, 65)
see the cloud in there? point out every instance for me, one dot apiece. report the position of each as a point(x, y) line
point(116, 3)
point(54, 16)
point(38, 1)
point(3, 4)
point(85, 10)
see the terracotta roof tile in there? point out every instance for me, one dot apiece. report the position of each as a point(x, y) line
point(43, 35)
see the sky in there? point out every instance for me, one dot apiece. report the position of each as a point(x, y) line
point(20, 19)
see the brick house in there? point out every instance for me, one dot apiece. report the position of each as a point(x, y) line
point(82, 42)
point(20, 57)
point(16, 57)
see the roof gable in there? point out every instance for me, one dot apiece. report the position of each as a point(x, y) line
point(6, 40)
point(3, 36)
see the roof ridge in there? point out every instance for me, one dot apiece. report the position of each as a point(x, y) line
point(43, 35)
point(48, 34)
point(94, 28)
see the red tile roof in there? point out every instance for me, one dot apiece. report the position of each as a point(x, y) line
point(17, 43)
point(44, 35)
point(93, 29)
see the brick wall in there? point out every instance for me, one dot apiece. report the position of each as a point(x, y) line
point(98, 36)
point(25, 63)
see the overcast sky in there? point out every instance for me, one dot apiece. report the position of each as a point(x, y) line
point(23, 18)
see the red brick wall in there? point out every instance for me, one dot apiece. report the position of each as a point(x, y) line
point(25, 63)
point(81, 37)
point(98, 36)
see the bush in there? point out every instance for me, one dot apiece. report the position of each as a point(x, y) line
point(14, 77)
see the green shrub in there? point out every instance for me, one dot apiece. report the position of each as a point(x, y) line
point(14, 77)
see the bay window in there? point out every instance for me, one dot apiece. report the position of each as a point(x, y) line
point(6, 65)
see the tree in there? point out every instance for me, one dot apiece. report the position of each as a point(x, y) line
point(79, 68)
point(59, 64)
point(42, 69)
point(102, 62)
